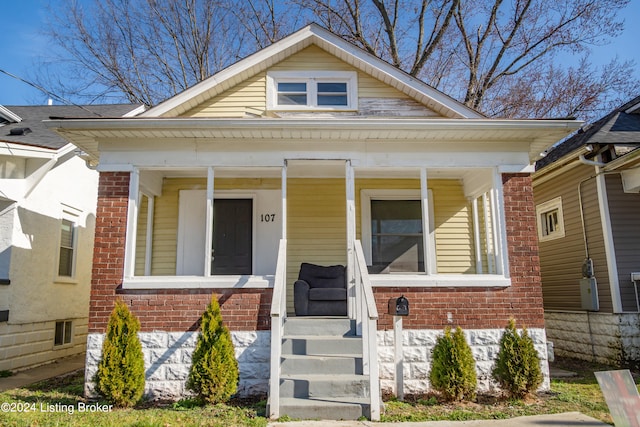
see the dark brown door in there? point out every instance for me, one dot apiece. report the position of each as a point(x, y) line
point(232, 235)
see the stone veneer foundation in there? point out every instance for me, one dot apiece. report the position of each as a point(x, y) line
point(168, 359)
point(612, 339)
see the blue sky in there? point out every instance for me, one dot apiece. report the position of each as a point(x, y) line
point(22, 44)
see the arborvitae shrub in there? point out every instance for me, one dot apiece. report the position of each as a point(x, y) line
point(453, 368)
point(517, 368)
point(214, 371)
point(120, 376)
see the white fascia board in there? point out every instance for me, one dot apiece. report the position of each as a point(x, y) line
point(9, 115)
point(294, 123)
point(136, 111)
point(632, 108)
point(21, 150)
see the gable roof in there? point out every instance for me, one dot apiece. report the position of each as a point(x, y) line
point(312, 34)
point(620, 126)
point(24, 124)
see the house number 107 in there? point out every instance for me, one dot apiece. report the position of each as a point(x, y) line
point(267, 217)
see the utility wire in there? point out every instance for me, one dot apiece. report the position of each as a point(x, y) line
point(53, 95)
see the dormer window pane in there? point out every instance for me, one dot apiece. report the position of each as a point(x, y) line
point(332, 94)
point(292, 93)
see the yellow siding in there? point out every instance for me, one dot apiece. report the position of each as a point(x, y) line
point(317, 225)
point(165, 232)
point(316, 228)
point(250, 95)
point(141, 236)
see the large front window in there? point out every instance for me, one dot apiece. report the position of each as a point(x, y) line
point(396, 236)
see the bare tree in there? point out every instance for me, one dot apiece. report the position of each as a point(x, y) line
point(145, 49)
point(503, 39)
point(504, 58)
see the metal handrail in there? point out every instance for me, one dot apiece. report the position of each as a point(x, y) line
point(367, 317)
point(278, 316)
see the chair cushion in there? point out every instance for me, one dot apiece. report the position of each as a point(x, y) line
point(327, 294)
point(319, 276)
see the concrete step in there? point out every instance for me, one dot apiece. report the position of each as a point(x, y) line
point(324, 386)
point(321, 345)
point(324, 409)
point(309, 325)
point(334, 364)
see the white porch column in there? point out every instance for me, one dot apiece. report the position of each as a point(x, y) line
point(149, 243)
point(488, 236)
point(429, 258)
point(132, 224)
point(499, 229)
point(351, 237)
point(476, 235)
point(208, 226)
point(283, 186)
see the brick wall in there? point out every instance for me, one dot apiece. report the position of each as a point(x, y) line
point(473, 308)
point(171, 310)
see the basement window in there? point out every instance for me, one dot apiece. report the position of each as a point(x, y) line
point(63, 333)
point(550, 220)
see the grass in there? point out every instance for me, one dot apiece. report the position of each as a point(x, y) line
point(59, 402)
point(575, 394)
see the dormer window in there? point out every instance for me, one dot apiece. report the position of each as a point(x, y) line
point(305, 90)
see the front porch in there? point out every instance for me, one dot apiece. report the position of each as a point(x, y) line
point(181, 235)
point(320, 207)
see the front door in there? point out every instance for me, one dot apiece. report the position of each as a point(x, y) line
point(232, 236)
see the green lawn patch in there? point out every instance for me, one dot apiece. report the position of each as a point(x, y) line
point(59, 402)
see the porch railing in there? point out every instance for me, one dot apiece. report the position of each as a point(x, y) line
point(366, 324)
point(278, 316)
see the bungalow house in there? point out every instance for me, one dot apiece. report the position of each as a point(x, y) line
point(47, 216)
point(587, 204)
point(312, 151)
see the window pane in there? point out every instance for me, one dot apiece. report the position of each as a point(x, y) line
point(396, 232)
point(332, 99)
point(65, 267)
point(65, 264)
point(67, 332)
point(292, 87)
point(332, 87)
point(59, 336)
point(292, 99)
point(66, 234)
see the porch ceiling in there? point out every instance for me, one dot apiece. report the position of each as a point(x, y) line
point(538, 134)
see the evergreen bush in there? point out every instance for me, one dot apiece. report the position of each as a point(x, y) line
point(120, 376)
point(213, 376)
point(517, 368)
point(453, 368)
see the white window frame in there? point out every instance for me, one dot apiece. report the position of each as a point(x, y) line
point(544, 209)
point(312, 78)
point(367, 195)
point(67, 340)
point(71, 215)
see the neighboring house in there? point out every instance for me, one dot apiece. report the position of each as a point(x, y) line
point(47, 218)
point(314, 151)
point(587, 205)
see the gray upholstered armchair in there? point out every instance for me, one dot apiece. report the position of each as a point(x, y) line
point(320, 291)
